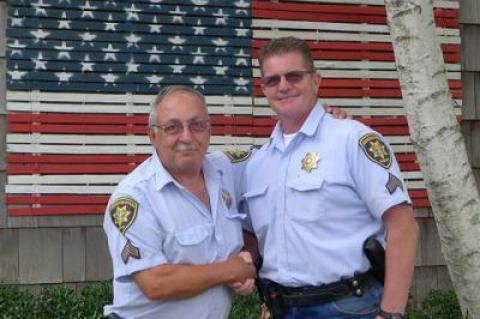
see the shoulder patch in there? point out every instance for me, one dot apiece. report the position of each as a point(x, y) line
point(123, 212)
point(393, 183)
point(376, 150)
point(238, 156)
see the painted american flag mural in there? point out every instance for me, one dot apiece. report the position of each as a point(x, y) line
point(81, 75)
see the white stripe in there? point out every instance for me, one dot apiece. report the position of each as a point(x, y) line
point(357, 65)
point(98, 189)
point(37, 101)
point(58, 189)
point(335, 36)
point(89, 179)
point(103, 179)
point(329, 26)
point(352, 111)
point(364, 74)
point(262, 101)
point(110, 109)
point(402, 145)
point(94, 98)
point(85, 140)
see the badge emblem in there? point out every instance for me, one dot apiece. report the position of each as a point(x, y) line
point(123, 213)
point(227, 198)
point(310, 161)
point(376, 150)
point(238, 155)
point(393, 183)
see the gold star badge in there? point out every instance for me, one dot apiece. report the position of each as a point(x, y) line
point(310, 161)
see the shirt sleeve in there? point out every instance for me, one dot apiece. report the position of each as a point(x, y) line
point(375, 171)
point(134, 236)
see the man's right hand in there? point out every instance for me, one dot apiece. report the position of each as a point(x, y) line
point(245, 287)
point(241, 268)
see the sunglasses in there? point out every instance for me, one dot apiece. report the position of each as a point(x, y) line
point(177, 127)
point(292, 77)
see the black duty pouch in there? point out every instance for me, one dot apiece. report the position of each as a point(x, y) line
point(376, 255)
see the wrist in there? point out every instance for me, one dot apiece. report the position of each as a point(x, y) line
point(390, 315)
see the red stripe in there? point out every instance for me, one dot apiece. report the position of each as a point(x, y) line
point(352, 13)
point(236, 126)
point(421, 203)
point(57, 199)
point(328, 50)
point(355, 46)
point(258, 129)
point(367, 83)
point(323, 8)
point(100, 158)
point(100, 209)
point(64, 200)
point(16, 169)
point(138, 120)
point(357, 93)
point(110, 169)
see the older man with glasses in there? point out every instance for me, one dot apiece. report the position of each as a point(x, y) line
point(173, 228)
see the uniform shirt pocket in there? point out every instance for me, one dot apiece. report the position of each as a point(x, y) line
point(305, 198)
point(193, 235)
point(260, 208)
point(194, 245)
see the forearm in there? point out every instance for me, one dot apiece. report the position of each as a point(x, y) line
point(176, 281)
point(402, 236)
point(171, 281)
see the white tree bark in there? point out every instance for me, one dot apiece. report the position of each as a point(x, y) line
point(439, 144)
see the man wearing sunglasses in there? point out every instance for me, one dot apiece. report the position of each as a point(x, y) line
point(316, 191)
point(173, 228)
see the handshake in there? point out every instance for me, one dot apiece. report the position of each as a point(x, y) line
point(243, 273)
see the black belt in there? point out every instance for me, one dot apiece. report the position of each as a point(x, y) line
point(315, 295)
point(279, 298)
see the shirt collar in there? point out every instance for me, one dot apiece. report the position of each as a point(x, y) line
point(308, 128)
point(163, 177)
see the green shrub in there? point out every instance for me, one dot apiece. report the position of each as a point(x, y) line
point(441, 304)
point(16, 303)
point(245, 307)
point(93, 298)
point(60, 302)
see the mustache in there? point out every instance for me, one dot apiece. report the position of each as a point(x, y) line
point(183, 147)
point(282, 96)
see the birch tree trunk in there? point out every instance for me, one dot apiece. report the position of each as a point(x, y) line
point(439, 145)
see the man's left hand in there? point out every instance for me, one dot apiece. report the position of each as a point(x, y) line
point(336, 112)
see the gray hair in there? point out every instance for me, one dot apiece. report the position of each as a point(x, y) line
point(166, 92)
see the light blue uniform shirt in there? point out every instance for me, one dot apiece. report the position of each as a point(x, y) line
point(311, 224)
point(173, 226)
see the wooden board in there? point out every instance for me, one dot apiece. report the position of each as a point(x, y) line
point(74, 147)
point(40, 249)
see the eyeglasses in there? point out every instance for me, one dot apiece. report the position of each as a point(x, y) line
point(177, 127)
point(292, 77)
